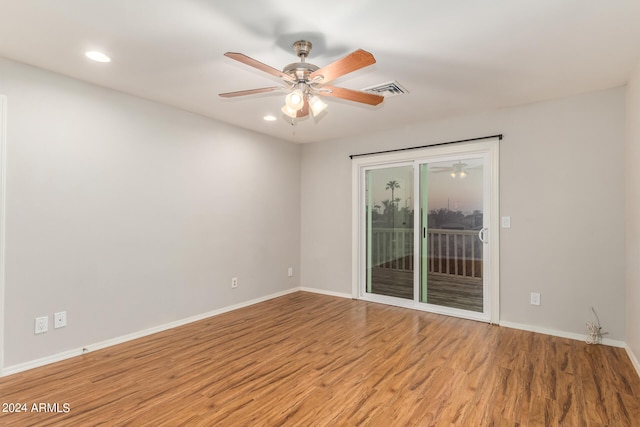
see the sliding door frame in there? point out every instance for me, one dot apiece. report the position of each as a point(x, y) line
point(488, 147)
point(3, 156)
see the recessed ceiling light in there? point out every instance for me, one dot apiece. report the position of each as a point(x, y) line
point(270, 118)
point(94, 55)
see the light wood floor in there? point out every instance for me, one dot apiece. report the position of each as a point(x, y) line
point(313, 360)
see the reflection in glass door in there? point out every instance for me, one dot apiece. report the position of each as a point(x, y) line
point(389, 231)
point(427, 230)
point(453, 232)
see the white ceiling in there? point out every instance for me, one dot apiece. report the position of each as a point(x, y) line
point(455, 57)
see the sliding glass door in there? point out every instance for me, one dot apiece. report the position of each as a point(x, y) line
point(452, 242)
point(390, 231)
point(426, 230)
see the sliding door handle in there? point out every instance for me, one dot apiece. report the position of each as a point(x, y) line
point(482, 235)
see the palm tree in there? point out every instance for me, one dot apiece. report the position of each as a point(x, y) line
point(375, 213)
point(387, 205)
point(392, 185)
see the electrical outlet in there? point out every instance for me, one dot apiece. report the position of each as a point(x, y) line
point(60, 319)
point(234, 282)
point(290, 272)
point(506, 222)
point(42, 325)
point(535, 298)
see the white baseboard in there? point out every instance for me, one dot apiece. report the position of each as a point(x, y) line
point(122, 339)
point(561, 334)
point(119, 340)
point(324, 292)
point(634, 359)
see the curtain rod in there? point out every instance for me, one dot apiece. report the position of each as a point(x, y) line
point(499, 136)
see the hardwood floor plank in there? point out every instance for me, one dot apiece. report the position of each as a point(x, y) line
point(312, 360)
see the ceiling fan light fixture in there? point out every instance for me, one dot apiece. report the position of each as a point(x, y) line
point(289, 111)
point(316, 105)
point(458, 174)
point(295, 100)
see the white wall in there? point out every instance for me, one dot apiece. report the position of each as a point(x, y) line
point(562, 183)
point(632, 154)
point(129, 214)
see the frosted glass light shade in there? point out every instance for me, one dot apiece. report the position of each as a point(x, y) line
point(295, 100)
point(289, 111)
point(316, 105)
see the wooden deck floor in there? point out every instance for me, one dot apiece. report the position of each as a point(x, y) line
point(456, 292)
point(313, 360)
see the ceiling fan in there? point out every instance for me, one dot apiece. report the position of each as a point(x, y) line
point(456, 171)
point(306, 82)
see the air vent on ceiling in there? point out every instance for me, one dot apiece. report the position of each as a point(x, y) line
point(387, 89)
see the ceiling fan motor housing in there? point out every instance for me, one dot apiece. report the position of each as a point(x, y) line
point(301, 70)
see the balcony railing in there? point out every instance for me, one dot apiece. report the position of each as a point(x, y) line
point(450, 252)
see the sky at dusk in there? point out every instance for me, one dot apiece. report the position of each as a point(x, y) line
point(443, 191)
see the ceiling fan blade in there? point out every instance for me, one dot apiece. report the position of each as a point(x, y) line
point(352, 62)
point(248, 92)
point(304, 111)
point(259, 65)
point(351, 95)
